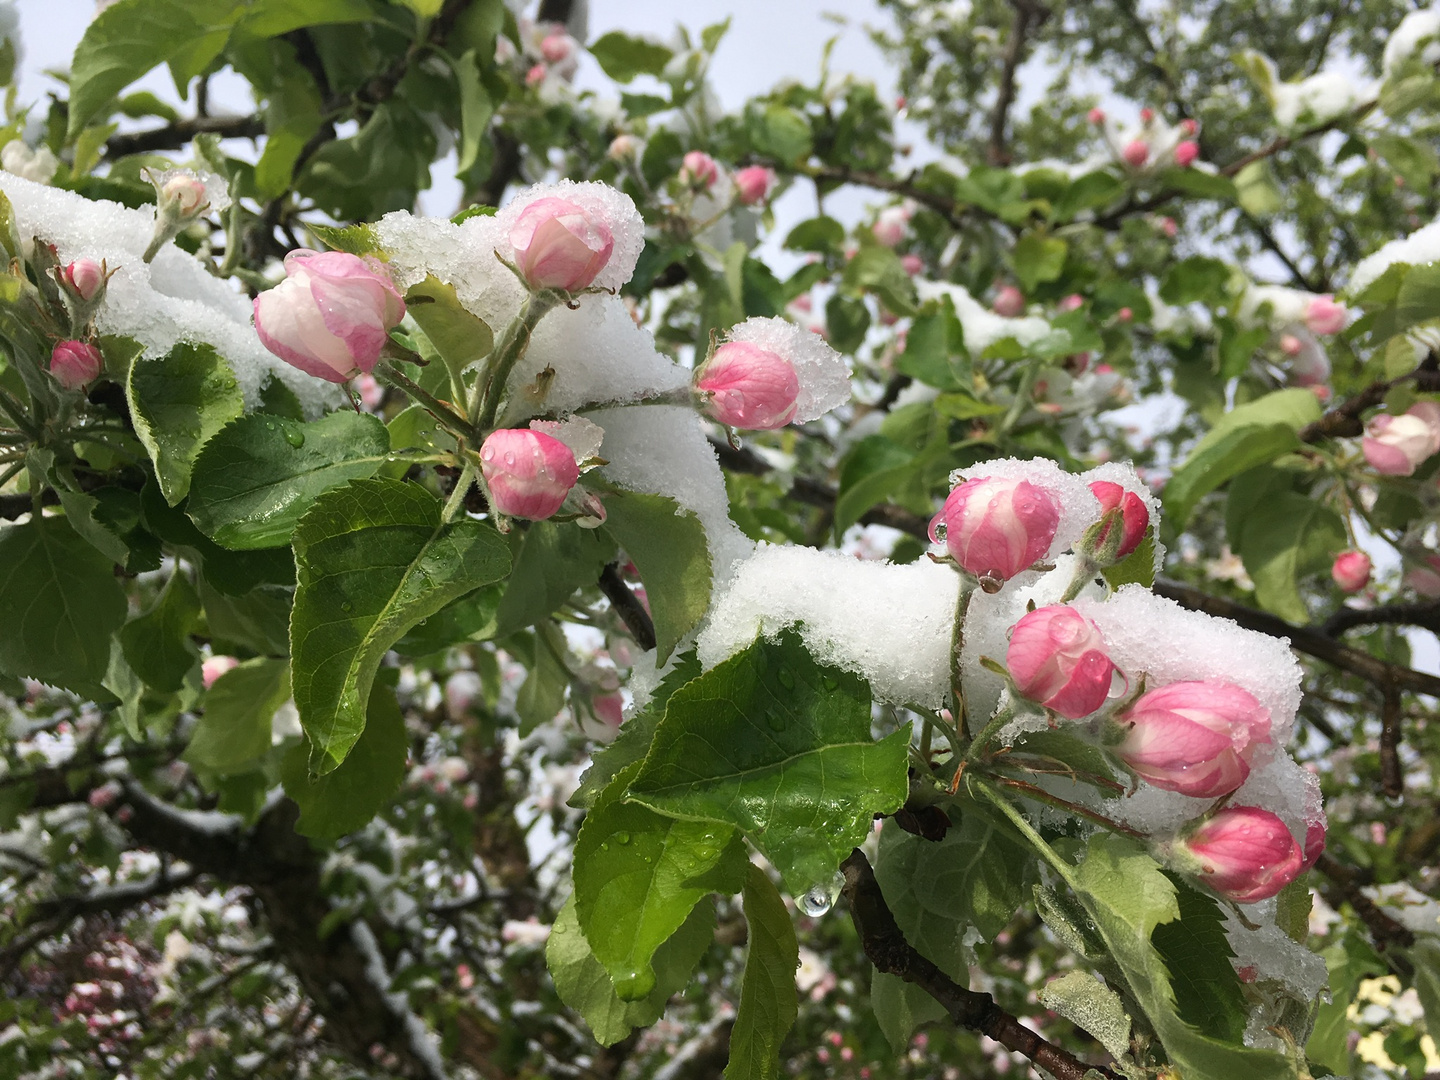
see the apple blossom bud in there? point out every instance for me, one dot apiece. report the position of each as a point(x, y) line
point(753, 184)
point(75, 363)
point(1396, 445)
point(1009, 302)
point(1351, 571)
point(1314, 845)
point(1073, 302)
point(1057, 658)
point(331, 316)
point(891, 225)
point(369, 391)
point(1324, 316)
point(1134, 514)
point(997, 527)
point(528, 473)
point(558, 245)
point(104, 796)
point(214, 667)
point(84, 277)
point(623, 147)
point(1194, 737)
point(557, 47)
point(912, 264)
point(1243, 853)
point(1136, 153)
point(1186, 153)
point(1096, 115)
point(609, 709)
point(1168, 227)
point(698, 169)
point(1290, 345)
point(183, 194)
point(1190, 127)
point(749, 387)
point(536, 75)
point(1125, 315)
point(1147, 115)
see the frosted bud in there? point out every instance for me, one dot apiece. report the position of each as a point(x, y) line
point(1096, 115)
point(891, 225)
point(331, 316)
point(528, 472)
point(1396, 445)
point(85, 278)
point(1314, 845)
point(1136, 153)
point(912, 264)
point(1009, 301)
point(753, 184)
point(183, 194)
point(997, 527)
point(1194, 737)
point(558, 245)
point(1057, 658)
point(1324, 316)
point(698, 169)
point(75, 363)
point(1073, 302)
point(1134, 514)
point(623, 147)
point(746, 386)
point(214, 667)
point(1186, 153)
point(1351, 571)
point(1243, 853)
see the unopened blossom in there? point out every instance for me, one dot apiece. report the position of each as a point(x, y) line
point(559, 245)
point(557, 47)
point(1425, 579)
point(891, 225)
point(528, 473)
point(912, 264)
point(1291, 345)
point(1190, 127)
point(1147, 116)
point(1134, 514)
point(1136, 153)
point(1057, 658)
point(753, 184)
point(997, 527)
point(1314, 845)
point(1096, 115)
point(214, 667)
point(698, 169)
point(1193, 737)
point(1009, 302)
point(75, 363)
point(1351, 571)
point(1243, 853)
point(1397, 445)
point(184, 194)
point(84, 277)
point(623, 147)
point(1187, 153)
point(746, 386)
point(1323, 316)
point(536, 75)
point(1073, 302)
point(331, 316)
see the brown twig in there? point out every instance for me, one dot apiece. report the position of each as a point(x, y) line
point(1384, 929)
point(627, 605)
point(1392, 779)
point(173, 136)
point(887, 949)
point(1425, 616)
point(1028, 15)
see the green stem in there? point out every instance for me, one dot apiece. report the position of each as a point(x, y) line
point(680, 396)
point(456, 502)
point(387, 373)
point(1061, 867)
point(1022, 399)
point(957, 642)
point(988, 732)
point(490, 387)
point(17, 414)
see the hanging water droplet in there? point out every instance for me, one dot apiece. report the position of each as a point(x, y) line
point(820, 897)
point(295, 437)
point(634, 985)
point(622, 837)
point(939, 530)
point(786, 677)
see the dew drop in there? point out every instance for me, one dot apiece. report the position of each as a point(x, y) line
point(830, 683)
point(787, 679)
point(347, 606)
point(295, 438)
point(634, 985)
point(820, 897)
point(622, 837)
point(940, 530)
point(777, 723)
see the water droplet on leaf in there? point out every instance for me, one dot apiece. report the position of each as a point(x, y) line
point(634, 985)
point(787, 678)
point(347, 606)
point(295, 438)
point(622, 837)
point(820, 897)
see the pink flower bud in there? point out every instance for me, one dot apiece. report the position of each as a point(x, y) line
point(1134, 514)
point(1096, 115)
point(1351, 571)
point(1073, 302)
point(698, 169)
point(1324, 316)
point(1057, 658)
point(1009, 301)
point(1425, 580)
point(1186, 153)
point(75, 363)
point(609, 709)
point(1147, 115)
point(1396, 445)
point(1314, 845)
point(1125, 315)
point(103, 797)
point(753, 184)
point(214, 667)
point(997, 526)
point(184, 194)
point(623, 147)
point(84, 277)
point(1136, 153)
point(560, 246)
point(1168, 227)
point(890, 226)
point(1194, 737)
point(528, 473)
point(536, 75)
point(749, 387)
point(912, 264)
point(332, 314)
point(1244, 853)
point(558, 47)
point(1190, 127)
point(1291, 345)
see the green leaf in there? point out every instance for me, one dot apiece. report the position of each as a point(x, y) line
point(877, 469)
point(847, 320)
point(178, 402)
point(1256, 190)
point(1137, 568)
point(935, 351)
point(1288, 537)
point(256, 621)
point(1197, 278)
point(129, 688)
point(359, 239)
point(1088, 192)
point(1198, 954)
point(157, 644)
point(768, 1001)
point(778, 745)
point(277, 399)
point(669, 549)
point(1247, 436)
point(583, 984)
point(371, 560)
point(555, 559)
point(878, 269)
point(234, 730)
point(470, 618)
point(346, 798)
point(458, 336)
point(59, 604)
point(822, 234)
point(1092, 1006)
point(623, 57)
point(1039, 259)
point(257, 476)
point(542, 694)
point(638, 874)
point(780, 132)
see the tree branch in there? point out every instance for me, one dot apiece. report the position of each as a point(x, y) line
point(887, 949)
point(1425, 616)
point(1385, 930)
point(174, 136)
point(627, 605)
point(1028, 13)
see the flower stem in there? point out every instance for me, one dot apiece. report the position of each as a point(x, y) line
point(1061, 867)
point(490, 387)
point(389, 374)
point(456, 502)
